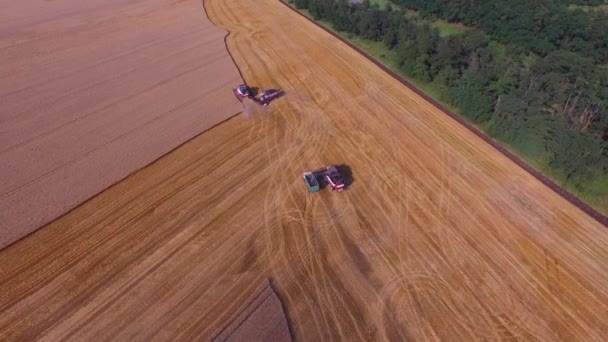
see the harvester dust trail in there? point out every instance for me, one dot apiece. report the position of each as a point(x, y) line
point(438, 237)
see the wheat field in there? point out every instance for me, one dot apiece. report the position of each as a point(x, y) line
point(439, 236)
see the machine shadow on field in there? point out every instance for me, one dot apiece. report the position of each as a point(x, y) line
point(281, 93)
point(347, 174)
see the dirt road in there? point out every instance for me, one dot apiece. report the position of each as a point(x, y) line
point(92, 91)
point(439, 236)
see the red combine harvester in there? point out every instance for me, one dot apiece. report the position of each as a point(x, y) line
point(243, 91)
point(268, 95)
point(330, 175)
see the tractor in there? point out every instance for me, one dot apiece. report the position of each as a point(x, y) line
point(244, 91)
point(329, 175)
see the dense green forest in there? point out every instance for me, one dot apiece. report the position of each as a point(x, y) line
point(532, 74)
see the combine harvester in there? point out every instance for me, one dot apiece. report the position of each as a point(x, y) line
point(330, 175)
point(243, 92)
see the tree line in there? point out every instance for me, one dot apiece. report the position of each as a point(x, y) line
point(533, 74)
point(539, 26)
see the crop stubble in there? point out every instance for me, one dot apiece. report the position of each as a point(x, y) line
point(439, 236)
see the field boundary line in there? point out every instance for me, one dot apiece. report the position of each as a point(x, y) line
point(206, 13)
point(601, 218)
